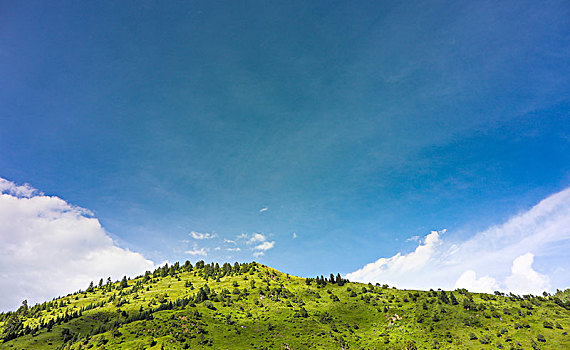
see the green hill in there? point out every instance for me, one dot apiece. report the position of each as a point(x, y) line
point(252, 306)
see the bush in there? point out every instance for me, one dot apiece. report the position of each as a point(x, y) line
point(410, 345)
point(209, 305)
point(541, 338)
point(485, 339)
point(548, 324)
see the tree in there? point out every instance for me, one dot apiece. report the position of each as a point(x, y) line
point(124, 283)
point(23, 309)
point(453, 299)
point(13, 326)
point(201, 296)
point(338, 279)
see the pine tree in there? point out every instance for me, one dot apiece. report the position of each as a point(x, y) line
point(124, 283)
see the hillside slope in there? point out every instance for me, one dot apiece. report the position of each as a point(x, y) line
point(251, 306)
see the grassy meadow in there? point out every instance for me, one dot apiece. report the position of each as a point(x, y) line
point(252, 306)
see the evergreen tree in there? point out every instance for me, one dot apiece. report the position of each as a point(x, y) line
point(201, 296)
point(124, 283)
point(13, 327)
point(453, 300)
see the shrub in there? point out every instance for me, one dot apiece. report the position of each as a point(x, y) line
point(485, 339)
point(410, 345)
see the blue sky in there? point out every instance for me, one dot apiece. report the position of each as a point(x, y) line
point(356, 124)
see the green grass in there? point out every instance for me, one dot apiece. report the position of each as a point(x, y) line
point(272, 310)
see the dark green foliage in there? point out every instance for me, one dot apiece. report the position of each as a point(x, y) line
point(485, 339)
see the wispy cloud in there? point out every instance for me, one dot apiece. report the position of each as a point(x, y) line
point(502, 256)
point(263, 209)
point(202, 235)
point(229, 241)
point(197, 251)
point(264, 246)
point(237, 249)
point(49, 247)
point(259, 242)
point(256, 237)
point(294, 235)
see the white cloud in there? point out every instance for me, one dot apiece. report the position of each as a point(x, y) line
point(50, 248)
point(197, 251)
point(503, 255)
point(413, 239)
point(399, 269)
point(21, 191)
point(263, 209)
point(233, 249)
point(256, 237)
point(259, 241)
point(469, 281)
point(258, 254)
point(202, 235)
point(229, 241)
point(264, 246)
point(294, 235)
point(218, 248)
point(242, 236)
point(524, 278)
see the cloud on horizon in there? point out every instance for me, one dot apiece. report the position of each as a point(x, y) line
point(49, 247)
point(499, 258)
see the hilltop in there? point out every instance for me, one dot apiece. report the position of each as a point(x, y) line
point(252, 306)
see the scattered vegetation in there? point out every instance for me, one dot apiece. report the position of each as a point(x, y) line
point(252, 306)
